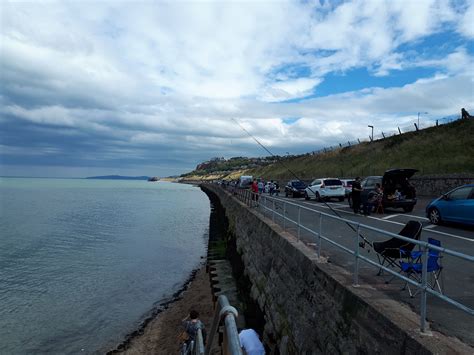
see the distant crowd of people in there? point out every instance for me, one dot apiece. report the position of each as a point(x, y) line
point(271, 187)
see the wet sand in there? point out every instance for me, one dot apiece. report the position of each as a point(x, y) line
point(160, 335)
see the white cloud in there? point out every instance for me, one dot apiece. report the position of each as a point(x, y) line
point(466, 24)
point(290, 89)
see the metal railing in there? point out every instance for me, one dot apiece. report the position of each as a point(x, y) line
point(261, 201)
point(225, 315)
point(199, 345)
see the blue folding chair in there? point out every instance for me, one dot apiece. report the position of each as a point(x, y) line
point(414, 267)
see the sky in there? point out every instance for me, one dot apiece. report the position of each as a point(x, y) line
point(156, 87)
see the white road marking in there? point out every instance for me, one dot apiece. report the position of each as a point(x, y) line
point(430, 226)
point(390, 216)
point(338, 204)
point(393, 222)
point(413, 216)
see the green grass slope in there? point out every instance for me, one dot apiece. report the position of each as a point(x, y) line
point(444, 149)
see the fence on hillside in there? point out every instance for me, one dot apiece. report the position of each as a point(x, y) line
point(387, 133)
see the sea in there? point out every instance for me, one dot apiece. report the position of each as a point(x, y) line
point(83, 262)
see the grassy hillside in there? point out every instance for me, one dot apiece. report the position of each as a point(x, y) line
point(437, 150)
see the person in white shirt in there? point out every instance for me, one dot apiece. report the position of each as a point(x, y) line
point(250, 342)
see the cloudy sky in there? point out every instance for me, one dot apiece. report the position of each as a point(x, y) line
point(152, 87)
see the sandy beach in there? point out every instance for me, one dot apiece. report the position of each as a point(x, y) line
point(160, 335)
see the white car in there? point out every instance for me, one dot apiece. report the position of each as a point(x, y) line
point(324, 189)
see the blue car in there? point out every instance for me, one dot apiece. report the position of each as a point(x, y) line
point(455, 206)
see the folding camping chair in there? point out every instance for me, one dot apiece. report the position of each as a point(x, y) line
point(414, 267)
point(391, 250)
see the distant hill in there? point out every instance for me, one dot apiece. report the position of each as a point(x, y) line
point(221, 166)
point(118, 177)
point(445, 149)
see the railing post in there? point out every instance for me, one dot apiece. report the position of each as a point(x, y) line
point(356, 256)
point(299, 222)
point(284, 215)
point(319, 235)
point(273, 211)
point(424, 279)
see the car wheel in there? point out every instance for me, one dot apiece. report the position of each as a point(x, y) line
point(434, 216)
point(408, 209)
point(341, 199)
point(306, 197)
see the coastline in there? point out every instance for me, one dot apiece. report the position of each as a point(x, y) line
point(158, 333)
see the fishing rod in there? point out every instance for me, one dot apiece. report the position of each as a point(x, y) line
point(362, 244)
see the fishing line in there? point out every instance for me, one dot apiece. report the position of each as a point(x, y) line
point(362, 244)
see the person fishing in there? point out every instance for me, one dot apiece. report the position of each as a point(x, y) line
point(356, 190)
point(279, 161)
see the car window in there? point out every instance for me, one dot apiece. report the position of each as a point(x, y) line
point(298, 184)
point(332, 182)
point(316, 182)
point(370, 183)
point(461, 193)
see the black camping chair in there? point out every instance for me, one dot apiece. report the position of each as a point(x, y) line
point(390, 251)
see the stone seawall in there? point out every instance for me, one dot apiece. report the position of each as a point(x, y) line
point(310, 306)
point(436, 185)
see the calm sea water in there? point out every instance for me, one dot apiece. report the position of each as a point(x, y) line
point(82, 262)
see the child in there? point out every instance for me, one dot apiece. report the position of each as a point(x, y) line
point(191, 325)
point(398, 195)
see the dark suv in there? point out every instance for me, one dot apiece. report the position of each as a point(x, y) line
point(295, 188)
point(397, 190)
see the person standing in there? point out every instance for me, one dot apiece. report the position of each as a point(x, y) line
point(250, 342)
point(356, 190)
point(261, 186)
point(271, 187)
point(191, 325)
point(465, 114)
point(254, 189)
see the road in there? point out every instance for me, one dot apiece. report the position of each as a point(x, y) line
point(457, 276)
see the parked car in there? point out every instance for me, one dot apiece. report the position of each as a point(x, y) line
point(397, 190)
point(324, 189)
point(347, 183)
point(295, 188)
point(455, 206)
point(245, 181)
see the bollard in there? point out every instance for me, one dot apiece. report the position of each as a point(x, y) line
point(273, 212)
